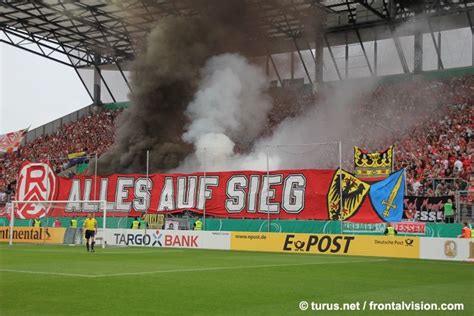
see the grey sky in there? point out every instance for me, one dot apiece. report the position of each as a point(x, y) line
point(35, 90)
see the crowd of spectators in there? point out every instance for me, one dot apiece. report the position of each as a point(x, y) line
point(430, 122)
point(436, 148)
point(433, 132)
point(438, 155)
point(91, 134)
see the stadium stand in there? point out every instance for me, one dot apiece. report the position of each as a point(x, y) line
point(440, 149)
point(91, 134)
point(437, 154)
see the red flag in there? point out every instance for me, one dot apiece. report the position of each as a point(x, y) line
point(10, 142)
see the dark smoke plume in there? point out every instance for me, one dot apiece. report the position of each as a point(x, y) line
point(165, 76)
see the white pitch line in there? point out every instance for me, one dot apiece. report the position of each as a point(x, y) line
point(192, 269)
point(435, 261)
point(49, 273)
point(100, 252)
point(234, 268)
point(139, 252)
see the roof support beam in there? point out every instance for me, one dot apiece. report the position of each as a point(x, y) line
point(123, 76)
point(371, 9)
point(302, 61)
point(400, 53)
point(84, 84)
point(35, 52)
point(114, 29)
point(332, 57)
point(276, 70)
point(45, 44)
point(436, 46)
point(365, 53)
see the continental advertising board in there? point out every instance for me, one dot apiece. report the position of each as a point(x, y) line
point(47, 235)
point(381, 246)
point(457, 249)
point(166, 238)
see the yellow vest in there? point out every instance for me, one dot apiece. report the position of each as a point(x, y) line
point(90, 224)
point(135, 224)
point(198, 224)
point(74, 223)
point(390, 231)
point(37, 223)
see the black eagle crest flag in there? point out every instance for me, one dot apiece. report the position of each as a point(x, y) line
point(353, 192)
point(377, 164)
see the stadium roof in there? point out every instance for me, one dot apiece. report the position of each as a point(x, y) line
point(84, 33)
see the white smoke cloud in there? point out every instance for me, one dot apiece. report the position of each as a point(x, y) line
point(230, 100)
point(311, 140)
point(230, 106)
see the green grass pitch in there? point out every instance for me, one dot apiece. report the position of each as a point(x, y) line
point(62, 280)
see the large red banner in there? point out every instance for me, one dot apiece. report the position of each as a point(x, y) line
point(283, 194)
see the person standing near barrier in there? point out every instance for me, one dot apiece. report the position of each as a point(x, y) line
point(198, 224)
point(73, 223)
point(90, 227)
point(135, 224)
point(36, 222)
point(448, 212)
point(465, 232)
point(143, 223)
point(390, 231)
point(57, 222)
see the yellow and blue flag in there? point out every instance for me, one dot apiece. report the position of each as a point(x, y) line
point(76, 155)
point(387, 195)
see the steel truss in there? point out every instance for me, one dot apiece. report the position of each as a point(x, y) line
point(74, 33)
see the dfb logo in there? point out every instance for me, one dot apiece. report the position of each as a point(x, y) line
point(36, 182)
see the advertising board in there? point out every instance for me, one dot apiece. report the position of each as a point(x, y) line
point(457, 249)
point(48, 235)
point(382, 246)
point(166, 238)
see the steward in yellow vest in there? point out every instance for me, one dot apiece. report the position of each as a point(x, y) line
point(390, 231)
point(136, 223)
point(36, 222)
point(73, 222)
point(198, 224)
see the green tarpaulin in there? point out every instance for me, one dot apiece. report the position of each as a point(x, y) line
point(321, 227)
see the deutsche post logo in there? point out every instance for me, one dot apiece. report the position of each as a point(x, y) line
point(353, 193)
point(36, 183)
point(299, 244)
point(450, 249)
